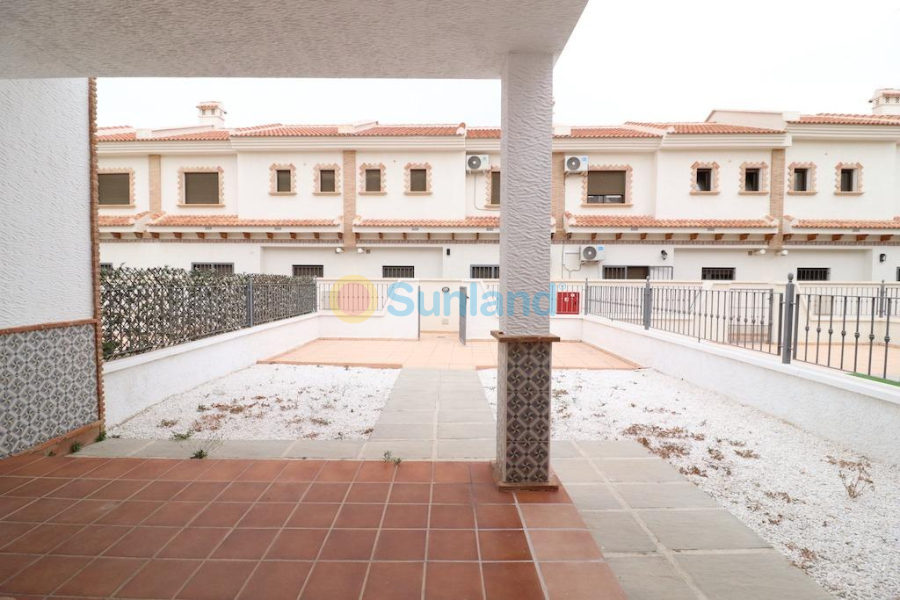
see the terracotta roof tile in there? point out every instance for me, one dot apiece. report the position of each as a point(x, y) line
point(846, 224)
point(646, 221)
point(467, 222)
point(592, 132)
point(846, 119)
point(127, 136)
point(333, 131)
point(120, 220)
point(234, 221)
point(707, 128)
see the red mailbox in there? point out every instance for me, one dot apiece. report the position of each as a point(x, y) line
point(568, 303)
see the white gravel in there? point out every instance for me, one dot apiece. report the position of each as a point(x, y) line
point(786, 488)
point(271, 402)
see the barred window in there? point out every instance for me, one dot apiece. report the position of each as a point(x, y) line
point(717, 273)
point(114, 189)
point(327, 181)
point(283, 180)
point(217, 268)
point(395, 272)
point(106, 266)
point(626, 272)
point(309, 271)
point(201, 188)
point(813, 274)
point(484, 271)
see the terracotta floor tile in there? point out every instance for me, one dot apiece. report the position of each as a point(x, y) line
point(151, 469)
point(349, 544)
point(581, 581)
point(394, 581)
point(175, 514)
point(188, 470)
point(410, 493)
point(39, 468)
point(142, 542)
point(42, 538)
point(242, 491)
point(40, 509)
point(451, 472)
point(9, 505)
point(504, 544)
point(297, 544)
point(303, 470)
point(263, 470)
point(313, 515)
point(10, 564)
point(452, 516)
point(359, 516)
point(15, 463)
point(92, 540)
point(10, 531)
point(114, 468)
point(368, 492)
point(77, 489)
point(412, 472)
point(221, 514)
point(406, 516)
point(558, 497)
point(511, 581)
point(159, 579)
point(289, 491)
point(200, 491)
point(337, 471)
point(335, 581)
point(487, 493)
point(453, 581)
point(451, 493)
point(129, 513)
point(217, 580)
point(224, 470)
point(85, 511)
point(249, 544)
point(193, 542)
point(276, 581)
point(376, 471)
point(118, 489)
point(564, 545)
point(400, 544)
point(45, 575)
point(102, 577)
point(459, 544)
point(497, 516)
point(326, 492)
point(552, 516)
point(267, 515)
point(30, 488)
point(160, 490)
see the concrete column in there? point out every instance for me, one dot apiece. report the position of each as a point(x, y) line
point(349, 194)
point(523, 413)
point(155, 176)
point(776, 196)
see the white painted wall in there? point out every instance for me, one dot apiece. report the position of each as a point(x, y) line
point(144, 255)
point(280, 260)
point(45, 202)
point(254, 184)
point(845, 264)
point(477, 192)
point(862, 415)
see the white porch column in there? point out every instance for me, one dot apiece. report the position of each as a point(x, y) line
point(523, 415)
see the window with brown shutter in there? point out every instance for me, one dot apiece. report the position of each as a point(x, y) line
point(373, 180)
point(495, 188)
point(418, 180)
point(283, 180)
point(114, 189)
point(327, 181)
point(201, 188)
point(606, 187)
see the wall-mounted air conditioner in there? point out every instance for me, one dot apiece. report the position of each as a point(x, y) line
point(477, 162)
point(576, 164)
point(592, 253)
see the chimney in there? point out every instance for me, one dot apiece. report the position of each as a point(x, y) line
point(886, 101)
point(212, 113)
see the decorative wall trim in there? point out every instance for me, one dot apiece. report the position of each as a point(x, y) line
point(859, 179)
point(45, 326)
point(337, 179)
point(154, 174)
point(362, 179)
point(407, 179)
point(184, 170)
point(811, 178)
point(628, 183)
point(93, 206)
point(488, 181)
point(116, 171)
point(714, 189)
point(763, 178)
point(273, 180)
point(349, 200)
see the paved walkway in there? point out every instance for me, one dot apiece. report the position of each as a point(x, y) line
point(436, 351)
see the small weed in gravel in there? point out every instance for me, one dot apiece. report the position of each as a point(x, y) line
point(746, 453)
point(167, 423)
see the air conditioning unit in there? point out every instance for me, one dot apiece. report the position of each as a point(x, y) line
point(477, 162)
point(576, 164)
point(592, 253)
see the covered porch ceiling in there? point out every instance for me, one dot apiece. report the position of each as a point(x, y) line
point(464, 39)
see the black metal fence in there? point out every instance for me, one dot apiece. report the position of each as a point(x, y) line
point(846, 332)
point(147, 309)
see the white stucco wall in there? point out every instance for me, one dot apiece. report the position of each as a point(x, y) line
point(45, 235)
point(280, 260)
point(477, 192)
point(144, 255)
point(845, 265)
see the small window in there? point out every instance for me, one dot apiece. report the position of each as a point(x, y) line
point(327, 181)
point(626, 272)
point(484, 271)
point(418, 180)
point(373, 180)
point(201, 188)
point(801, 180)
point(752, 180)
point(114, 189)
point(813, 274)
point(704, 180)
point(848, 180)
point(717, 273)
point(495, 188)
point(106, 267)
point(309, 271)
point(394, 272)
point(283, 180)
point(606, 187)
point(217, 268)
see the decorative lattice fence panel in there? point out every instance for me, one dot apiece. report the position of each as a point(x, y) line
point(146, 309)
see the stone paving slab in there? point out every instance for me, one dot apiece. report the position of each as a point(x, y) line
point(336, 449)
point(617, 531)
point(701, 530)
point(651, 578)
point(664, 495)
point(638, 470)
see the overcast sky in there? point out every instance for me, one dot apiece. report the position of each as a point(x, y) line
point(634, 60)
